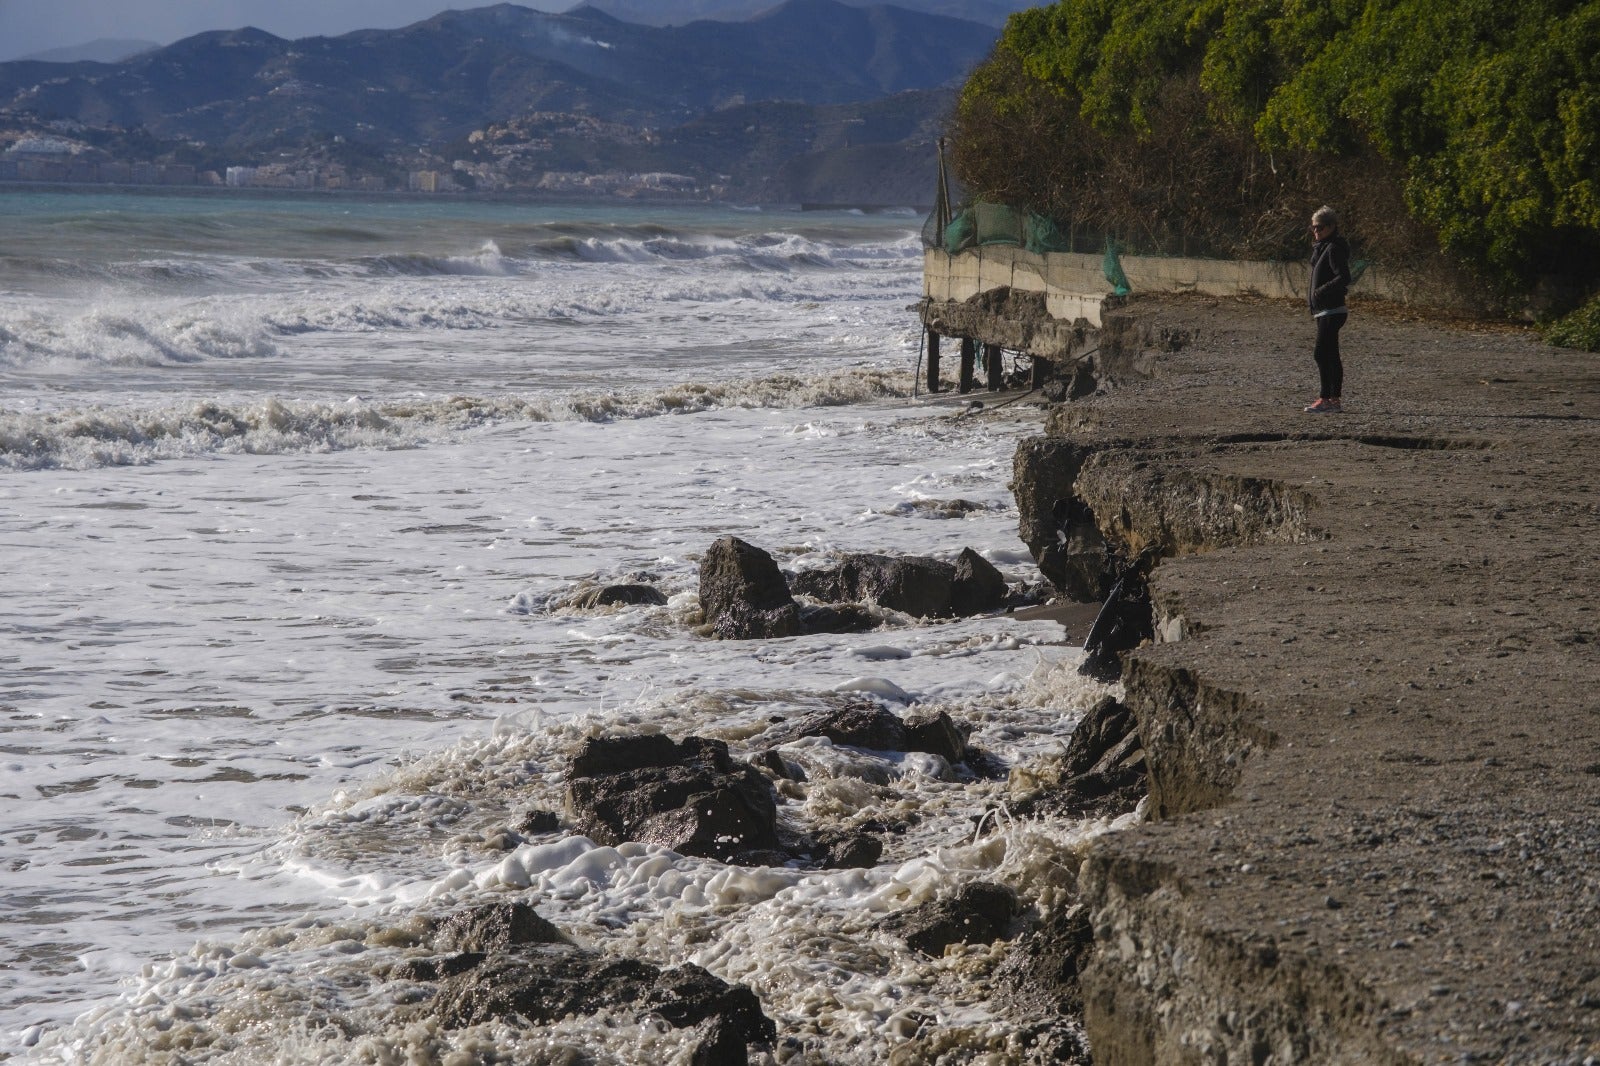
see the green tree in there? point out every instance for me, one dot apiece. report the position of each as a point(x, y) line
point(1476, 120)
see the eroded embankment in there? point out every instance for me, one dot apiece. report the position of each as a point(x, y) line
point(1368, 709)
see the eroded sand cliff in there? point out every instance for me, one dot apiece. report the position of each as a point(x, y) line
point(1372, 707)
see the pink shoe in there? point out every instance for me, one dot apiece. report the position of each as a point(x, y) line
point(1324, 407)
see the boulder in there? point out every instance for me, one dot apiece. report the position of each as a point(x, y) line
point(436, 968)
point(911, 584)
point(977, 914)
point(495, 927)
point(863, 724)
point(535, 821)
point(619, 595)
point(859, 724)
point(611, 755)
point(935, 732)
point(691, 797)
point(1101, 773)
point(743, 594)
point(838, 618)
point(978, 586)
point(548, 983)
point(850, 851)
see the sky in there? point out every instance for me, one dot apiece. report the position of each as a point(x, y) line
point(28, 26)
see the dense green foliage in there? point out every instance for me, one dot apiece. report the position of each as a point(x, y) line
point(1581, 329)
point(1483, 115)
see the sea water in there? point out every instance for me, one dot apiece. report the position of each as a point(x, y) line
point(294, 497)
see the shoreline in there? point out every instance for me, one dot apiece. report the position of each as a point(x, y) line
point(1369, 710)
point(530, 197)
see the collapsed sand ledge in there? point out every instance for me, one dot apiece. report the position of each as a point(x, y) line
point(1372, 711)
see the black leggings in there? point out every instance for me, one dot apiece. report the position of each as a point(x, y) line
point(1327, 354)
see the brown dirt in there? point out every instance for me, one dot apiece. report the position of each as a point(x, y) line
point(1374, 734)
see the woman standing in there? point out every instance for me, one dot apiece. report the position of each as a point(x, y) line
point(1330, 280)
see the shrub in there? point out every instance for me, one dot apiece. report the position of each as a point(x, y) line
point(1581, 329)
point(1479, 119)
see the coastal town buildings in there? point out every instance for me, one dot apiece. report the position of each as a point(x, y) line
point(540, 152)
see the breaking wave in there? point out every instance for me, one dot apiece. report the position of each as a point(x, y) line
point(99, 437)
point(129, 333)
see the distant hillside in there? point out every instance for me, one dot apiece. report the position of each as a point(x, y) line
point(875, 153)
point(442, 78)
point(811, 101)
point(679, 12)
point(104, 50)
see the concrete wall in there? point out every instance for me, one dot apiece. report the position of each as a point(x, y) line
point(1074, 284)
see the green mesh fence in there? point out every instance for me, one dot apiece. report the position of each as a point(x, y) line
point(982, 224)
point(1111, 266)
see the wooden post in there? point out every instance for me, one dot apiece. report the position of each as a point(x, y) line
point(994, 366)
point(933, 361)
point(969, 358)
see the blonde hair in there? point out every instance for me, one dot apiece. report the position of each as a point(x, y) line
point(1325, 215)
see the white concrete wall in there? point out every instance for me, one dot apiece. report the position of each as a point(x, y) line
point(1074, 283)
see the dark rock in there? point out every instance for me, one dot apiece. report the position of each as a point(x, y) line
point(825, 583)
point(437, 968)
point(691, 797)
point(1104, 726)
point(721, 1044)
point(911, 584)
point(862, 724)
point(1040, 975)
point(1101, 774)
point(743, 594)
point(1056, 525)
point(536, 821)
point(689, 995)
point(859, 724)
point(1124, 622)
point(936, 733)
point(838, 618)
point(852, 851)
point(978, 914)
point(625, 594)
point(610, 755)
point(547, 983)
point(771, 760)
point(719, 823)
point(496, 927)
point(978, 586)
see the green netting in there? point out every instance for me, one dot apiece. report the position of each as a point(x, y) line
point(983, 224)
point(1045, 236)
point(1111, 266)
point(979, 224)
point(997, 224)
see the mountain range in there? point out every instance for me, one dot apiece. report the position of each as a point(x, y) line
point(635, 94)
point(678, 12)
point(104, 50)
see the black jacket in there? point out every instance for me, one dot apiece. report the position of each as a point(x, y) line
point(1330, 274)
